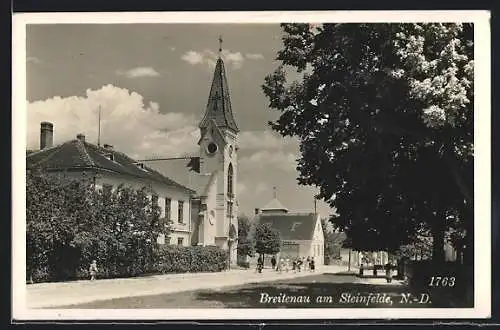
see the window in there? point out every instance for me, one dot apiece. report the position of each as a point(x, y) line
point(180, 218)
point(154, 200)
point(180, 241)
point(168, 203)
point(141, 166)
point(230, 180)
point(229, 209)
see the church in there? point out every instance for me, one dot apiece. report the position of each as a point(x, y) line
point(212, 173)
point(197, 193)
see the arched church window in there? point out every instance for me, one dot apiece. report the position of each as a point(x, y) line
point(230, 180)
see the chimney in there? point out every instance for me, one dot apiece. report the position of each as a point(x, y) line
point(108, 146)
point(46, 135)
point(81, 137)
point(257, 211)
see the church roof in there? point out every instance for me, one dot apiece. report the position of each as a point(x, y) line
point(291, 226)
point(81, 155)
point(274, 205)
point(219, 102)
point(185, 171)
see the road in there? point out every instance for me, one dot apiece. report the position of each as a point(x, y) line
point(311, 291)
point(46, 295)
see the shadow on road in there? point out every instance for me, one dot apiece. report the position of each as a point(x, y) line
point(315, 291)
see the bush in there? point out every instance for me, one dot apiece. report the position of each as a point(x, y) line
point(243, 263)
point(193, 259)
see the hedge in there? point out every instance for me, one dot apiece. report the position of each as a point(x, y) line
point(169, 259)
point(192, 259)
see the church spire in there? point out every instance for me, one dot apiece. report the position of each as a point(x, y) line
point(219, 102)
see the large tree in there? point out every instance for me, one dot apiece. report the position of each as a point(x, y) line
point(384, 115)
point(245, 239)
point(267, 239)
point(70, 222)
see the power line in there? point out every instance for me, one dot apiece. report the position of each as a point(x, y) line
point(158, 159)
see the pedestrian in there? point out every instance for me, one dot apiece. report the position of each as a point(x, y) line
point(388, 272)
point(287, 264)
point(311, 264)
point(260, 263)
point(93, 270)
point(273, 262)
point(299, 264)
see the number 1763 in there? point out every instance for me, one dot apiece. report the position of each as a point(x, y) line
point(442, 281)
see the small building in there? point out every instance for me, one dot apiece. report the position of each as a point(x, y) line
point(109, 167)
point(301, 233)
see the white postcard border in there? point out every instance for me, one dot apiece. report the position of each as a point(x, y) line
point(482, 187)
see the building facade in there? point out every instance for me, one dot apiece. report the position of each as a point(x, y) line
point(301, 233)
point(213, 172)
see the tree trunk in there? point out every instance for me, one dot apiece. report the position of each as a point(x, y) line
point(349, 265)
point(438, 241)
point(229, 255)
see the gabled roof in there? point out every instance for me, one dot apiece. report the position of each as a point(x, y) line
point(291, 226)
point(185, 171)
point(80, 155)
point(219, 102)
point(274, 205)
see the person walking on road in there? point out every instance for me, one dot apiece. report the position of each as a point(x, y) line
point(260, 263)
point(93, 270)
point(312, 266)
point(273, 262)
point(299, 264)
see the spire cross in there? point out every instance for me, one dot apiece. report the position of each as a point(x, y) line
point(220, 45)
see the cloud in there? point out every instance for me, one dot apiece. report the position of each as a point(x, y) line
point(261, 187)
point(285, 161)
point(241, 188)
point(138, 72)
point(193, 57)
point(249, 140)
point(254, 56)
point(133, 126)
point(209, 58)
point(34, 60)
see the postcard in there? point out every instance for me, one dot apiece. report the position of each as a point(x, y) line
point(221, 165)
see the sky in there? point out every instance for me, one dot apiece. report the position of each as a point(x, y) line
point(152, 82)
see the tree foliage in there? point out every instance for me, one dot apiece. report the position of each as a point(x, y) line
point(69, 223)
point(245, 240)
point(384, 115)
point(267, 239)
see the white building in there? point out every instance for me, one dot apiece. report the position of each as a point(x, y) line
point(301, 233)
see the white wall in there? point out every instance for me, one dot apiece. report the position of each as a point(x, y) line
point(210, 229)
point(162, 190)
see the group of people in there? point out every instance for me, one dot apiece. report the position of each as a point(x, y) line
point(283, 264)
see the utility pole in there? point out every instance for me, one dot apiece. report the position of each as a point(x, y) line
point(99, 128)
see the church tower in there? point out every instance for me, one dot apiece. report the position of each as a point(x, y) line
point(219, 154)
